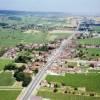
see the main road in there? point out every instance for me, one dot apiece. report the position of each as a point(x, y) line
point(26, 93)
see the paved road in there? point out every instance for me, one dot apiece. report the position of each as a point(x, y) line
point(25, 95)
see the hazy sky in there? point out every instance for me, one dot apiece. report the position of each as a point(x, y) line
point(70, 6)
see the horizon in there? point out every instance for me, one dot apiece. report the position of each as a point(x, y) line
point(81, 7)
point(66, 13)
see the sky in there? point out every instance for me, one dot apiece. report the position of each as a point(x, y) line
point(68, 6)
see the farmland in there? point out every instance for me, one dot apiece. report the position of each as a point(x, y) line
point(97, 28)
point(90, 81)
point(9, 94)
point(10, 38)
point(19, 39)
point(89, 41)
point(4, 62)
point(6, 79)
point(59, 96)
point(91, 52)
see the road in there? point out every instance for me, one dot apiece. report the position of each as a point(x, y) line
point(26, 94)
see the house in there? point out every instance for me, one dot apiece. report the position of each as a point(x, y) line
point(35, 98)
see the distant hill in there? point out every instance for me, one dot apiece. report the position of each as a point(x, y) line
point(41, 14)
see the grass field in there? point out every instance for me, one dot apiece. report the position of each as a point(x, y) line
point(91, 52)
point(92, 41)
point(4, 62)
point(60, 96)
point(91, 81)
point(9, 94)
point(97, 28)
point(14, 37)
point(94, 71)
point(6, 79)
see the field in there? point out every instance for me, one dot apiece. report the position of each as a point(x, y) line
point(4, 62)
point(6, 79)
point(94, 71)
point(91, 52)
point(91, 81)
point(91, 41)
point(60, 96)
point(97, 28)
point(14, 37)
point(9, 94)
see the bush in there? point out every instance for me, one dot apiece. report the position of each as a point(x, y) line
point(10, 67)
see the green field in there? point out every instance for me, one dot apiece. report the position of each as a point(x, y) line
point(94, 71)
point(91, 52)
point(60, 96)
point(97, 28)
point(90, 41)
point(4, 62)
point(6, 79)
point(91, 81)
point(9, 94)
point(13, 37)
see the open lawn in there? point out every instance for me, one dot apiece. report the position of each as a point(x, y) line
point(91, 80)
point(6, 79)
point(4, 62)
point(91, 41)
point(9, 94)
point(60, 96)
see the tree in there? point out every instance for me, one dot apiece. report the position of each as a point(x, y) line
point(22, 68)
point(56, 86)
point(70, 66)
point(63, 84)
point(27, 79)
point(92, 65)
point(92, 94)
point(55, 90)
point(36, 70)
point(97, 54)
point(2, 51)
point(23, 59)
point(20, 46)
point(10, 67)
point(65, 91)
point(24, 77)
point(76, 88)
point(19, 76)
